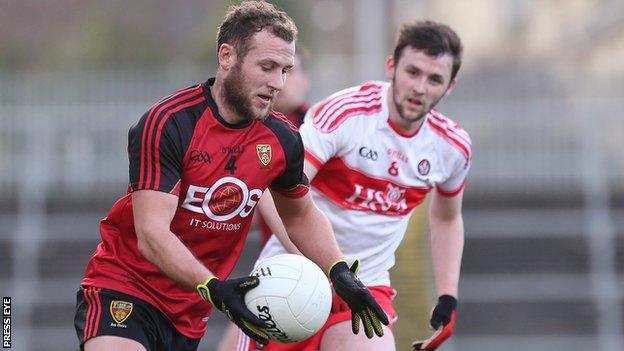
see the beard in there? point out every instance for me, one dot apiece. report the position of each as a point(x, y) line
point(235, 94)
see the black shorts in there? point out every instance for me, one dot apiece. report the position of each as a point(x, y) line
point(108, 312)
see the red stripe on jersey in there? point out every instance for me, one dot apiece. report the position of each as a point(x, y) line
point(281, 117)
point(451, 137)
point(313, 159)
point(370, 85)
point(364, 110)
point(159, 133)
point(148, 129)
point(452, 126)
point(451, 193)
point(98, 314)
point(322, 115)
point(90, 310)
point(352, 189)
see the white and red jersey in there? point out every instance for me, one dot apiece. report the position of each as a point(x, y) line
point(372, 175)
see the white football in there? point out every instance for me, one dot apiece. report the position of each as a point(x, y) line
point(293, 297)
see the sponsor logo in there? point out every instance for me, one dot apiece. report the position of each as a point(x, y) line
point(238, 149)
point(120, 310)
point(264, 153)
point(264, 313)
point(200, 156)
point(424, 167)
point(391, 199)
point(368, 154)
point(227, 198)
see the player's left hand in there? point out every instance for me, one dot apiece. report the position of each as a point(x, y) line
point(363, 305)
point(443, 321)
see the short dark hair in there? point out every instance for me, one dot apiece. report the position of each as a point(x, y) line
point(432, 38)
point(243, 21)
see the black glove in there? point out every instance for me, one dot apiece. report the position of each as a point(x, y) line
point(443, 321)
point(228, 296)
point(363, 305)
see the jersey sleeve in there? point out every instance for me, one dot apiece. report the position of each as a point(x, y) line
point(292, 182)
point(156, 148)
point(320, 144)
point(455, 183)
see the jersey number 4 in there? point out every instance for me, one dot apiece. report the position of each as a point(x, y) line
point(231, 165)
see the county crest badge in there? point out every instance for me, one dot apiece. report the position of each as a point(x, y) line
point(264, 153)
point(120, 310)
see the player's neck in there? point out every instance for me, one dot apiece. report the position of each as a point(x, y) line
point(225, 110)
point(405, 126)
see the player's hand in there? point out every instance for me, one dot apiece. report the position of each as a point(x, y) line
point(228, 296)
point(363, 305)
point(443, 321)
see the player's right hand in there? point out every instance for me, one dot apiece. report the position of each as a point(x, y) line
point(363, 305)
point(443, 321)
point(228, 296)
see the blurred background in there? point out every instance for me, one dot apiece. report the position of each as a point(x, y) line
point(541, 92)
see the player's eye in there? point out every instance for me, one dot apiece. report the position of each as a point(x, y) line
point(436, 80)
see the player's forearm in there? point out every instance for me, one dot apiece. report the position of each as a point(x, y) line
point(447, 245)
point(266, 208)
point(311, 232)
point(162, 248)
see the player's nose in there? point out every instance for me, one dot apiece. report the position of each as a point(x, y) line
point(276, 81)
point(419, 86)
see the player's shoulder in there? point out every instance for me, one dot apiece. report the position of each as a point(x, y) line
point(360, 100)
point(281, 126)
point(451, 132)
point(183, 106)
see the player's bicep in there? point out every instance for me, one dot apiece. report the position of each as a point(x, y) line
point(292, 182)
point(444, 207)
point(152, 210)
point(289, 207)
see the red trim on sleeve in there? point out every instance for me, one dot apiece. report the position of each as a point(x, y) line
point(451, 193)
point(313, 159)
point(298, 191)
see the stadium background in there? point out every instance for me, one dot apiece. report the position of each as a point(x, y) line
point(540, 92)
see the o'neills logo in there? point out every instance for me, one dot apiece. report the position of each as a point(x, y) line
point(224, 200)
point(272, 329)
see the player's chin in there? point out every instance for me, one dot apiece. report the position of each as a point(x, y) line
point(260, 114)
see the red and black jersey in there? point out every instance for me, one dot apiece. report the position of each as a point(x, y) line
point(219, 171)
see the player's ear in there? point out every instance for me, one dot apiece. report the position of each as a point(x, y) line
point(390, 67)
point(451, 87)
point(226, 56)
